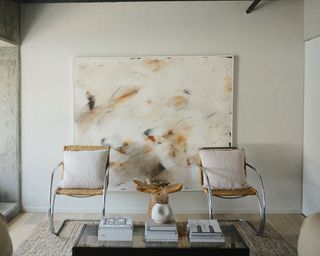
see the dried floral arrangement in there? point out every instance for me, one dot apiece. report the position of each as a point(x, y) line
point(157, 182)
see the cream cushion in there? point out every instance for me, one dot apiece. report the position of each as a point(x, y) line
point(225, 168)
point(5, 240)
point(84, 169)
point(309, 237)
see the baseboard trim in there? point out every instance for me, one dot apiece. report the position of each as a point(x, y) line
point(139, 211)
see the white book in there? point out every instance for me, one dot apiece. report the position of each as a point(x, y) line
point(160, 236)
point(160, 231)
point(115, 229)
point(160, 240)
point(208, 240)
point(116, 222)
point(107, 234)
point(152, 225)
point(204, 227)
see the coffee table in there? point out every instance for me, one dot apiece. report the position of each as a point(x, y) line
point(88, 244)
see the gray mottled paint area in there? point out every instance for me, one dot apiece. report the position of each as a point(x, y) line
point(9, 124)
point(10, 21)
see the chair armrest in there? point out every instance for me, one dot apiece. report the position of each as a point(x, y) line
point(261, 181)
point(205, 174)
point(51, 180)
point(106, 179)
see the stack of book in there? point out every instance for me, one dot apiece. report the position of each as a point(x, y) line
point(115, 229)
point(155, 232)
point(204, 231)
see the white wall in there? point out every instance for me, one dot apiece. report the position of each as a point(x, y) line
point(311, 19)
point(311, 151)
point(269, 49)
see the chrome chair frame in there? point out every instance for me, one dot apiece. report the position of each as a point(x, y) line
point(53, 194)
point(261, 197)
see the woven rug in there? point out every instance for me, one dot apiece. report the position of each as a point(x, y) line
point(42, 242)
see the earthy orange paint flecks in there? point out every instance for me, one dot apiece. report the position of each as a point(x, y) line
point(178, 101)
point(228, 83)
point(122, 149)
point(154, 64)
point(129, 93)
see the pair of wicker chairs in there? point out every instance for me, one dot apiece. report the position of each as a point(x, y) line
point(204, 178)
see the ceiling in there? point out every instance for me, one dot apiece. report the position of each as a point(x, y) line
point(91, 1)
point(253, 3)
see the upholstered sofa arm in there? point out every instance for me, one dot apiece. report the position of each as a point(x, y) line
point(309, 237)
point(5, 240)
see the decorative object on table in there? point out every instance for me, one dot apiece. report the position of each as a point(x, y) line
point(159, 191)
point(115, 229)
point(155, 232)
point(161, 213)
point(84, 174)
point(159, 130)
point(204, 231)
point(223, 174)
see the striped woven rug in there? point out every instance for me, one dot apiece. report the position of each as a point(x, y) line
point(42, 243)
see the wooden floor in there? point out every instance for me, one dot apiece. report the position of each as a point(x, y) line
point(288, 225)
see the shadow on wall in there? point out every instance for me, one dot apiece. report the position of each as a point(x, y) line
point(28, 21)
point(281, 169)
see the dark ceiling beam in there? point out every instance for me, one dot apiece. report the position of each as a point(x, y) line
point(252, 6)
point(92, 1)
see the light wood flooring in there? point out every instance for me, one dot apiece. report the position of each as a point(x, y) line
point(288, 225)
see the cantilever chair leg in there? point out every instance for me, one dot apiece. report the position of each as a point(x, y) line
point(210, 205)
point(51, 218)
point(262, 214)
point(104, 204)
point(59, 228)
point(262, 211)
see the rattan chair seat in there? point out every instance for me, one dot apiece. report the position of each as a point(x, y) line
point(79, 191)
point(236, 192)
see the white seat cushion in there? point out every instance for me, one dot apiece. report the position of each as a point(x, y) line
point(84, 169)
point(225, 168)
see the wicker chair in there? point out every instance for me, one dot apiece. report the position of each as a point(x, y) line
point(232, 193)
point(76, 192)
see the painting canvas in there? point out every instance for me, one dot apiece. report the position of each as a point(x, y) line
point(155, 112)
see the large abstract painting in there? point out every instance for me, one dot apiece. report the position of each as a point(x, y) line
point(155, 112)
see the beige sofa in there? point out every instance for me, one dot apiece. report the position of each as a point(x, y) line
point(5, 240)
point(309, 237)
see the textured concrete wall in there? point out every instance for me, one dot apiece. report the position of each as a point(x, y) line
point(9, 124)
point(10, 21)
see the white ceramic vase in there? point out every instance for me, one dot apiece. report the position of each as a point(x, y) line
point(161, 213)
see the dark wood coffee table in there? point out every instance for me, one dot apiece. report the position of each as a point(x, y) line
point(88, 244)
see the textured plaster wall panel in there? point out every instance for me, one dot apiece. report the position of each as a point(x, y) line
point(10, 21)
point(9, 116)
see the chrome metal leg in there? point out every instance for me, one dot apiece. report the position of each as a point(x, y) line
point(262, 211)
point(51, 218)
point(104, 204)
point(210, 205)
point(50, 215)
